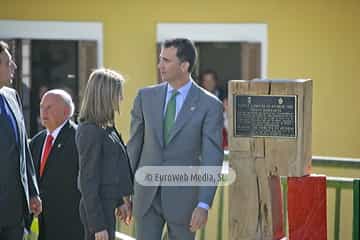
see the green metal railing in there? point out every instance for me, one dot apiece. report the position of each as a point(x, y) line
point(339, 184)
point(344, 163)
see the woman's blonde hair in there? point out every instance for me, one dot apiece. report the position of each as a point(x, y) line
point(101, 97)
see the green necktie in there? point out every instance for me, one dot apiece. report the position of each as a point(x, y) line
point(169, 119)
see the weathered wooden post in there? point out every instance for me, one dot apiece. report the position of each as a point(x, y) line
point(269, 136)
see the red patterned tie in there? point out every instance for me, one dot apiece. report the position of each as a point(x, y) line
point(47, 149)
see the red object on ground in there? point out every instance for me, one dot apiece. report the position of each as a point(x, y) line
point(307, 208)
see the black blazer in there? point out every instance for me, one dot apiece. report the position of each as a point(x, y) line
point(17, 175)
point(104, 171)
point(58, 186)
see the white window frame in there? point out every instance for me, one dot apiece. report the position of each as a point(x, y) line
point(54, 30)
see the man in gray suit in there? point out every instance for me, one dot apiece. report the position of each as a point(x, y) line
point(19, 194)
point(175, 123)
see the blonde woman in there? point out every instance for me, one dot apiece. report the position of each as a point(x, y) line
point(105, 179)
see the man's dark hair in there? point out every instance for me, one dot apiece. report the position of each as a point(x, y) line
point(207, 72)
point(186, 50)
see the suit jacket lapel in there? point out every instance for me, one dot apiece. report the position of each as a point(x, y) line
point(5, 128)
point(14, 109)
point(187, 110)
point(38, 146)
point(158, 102)
point(58, 144)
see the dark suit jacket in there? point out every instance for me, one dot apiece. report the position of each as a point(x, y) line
point(58, 186)
point(104, 172)
point(17, 176)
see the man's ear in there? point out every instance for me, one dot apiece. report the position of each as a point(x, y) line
point(185, 66)
point(67, 111)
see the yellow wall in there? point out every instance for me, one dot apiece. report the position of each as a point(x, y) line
point(316, 39)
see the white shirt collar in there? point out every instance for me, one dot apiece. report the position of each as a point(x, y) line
point(183, 90)
point(56, 132)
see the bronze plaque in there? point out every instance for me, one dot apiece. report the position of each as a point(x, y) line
point(265, 116)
